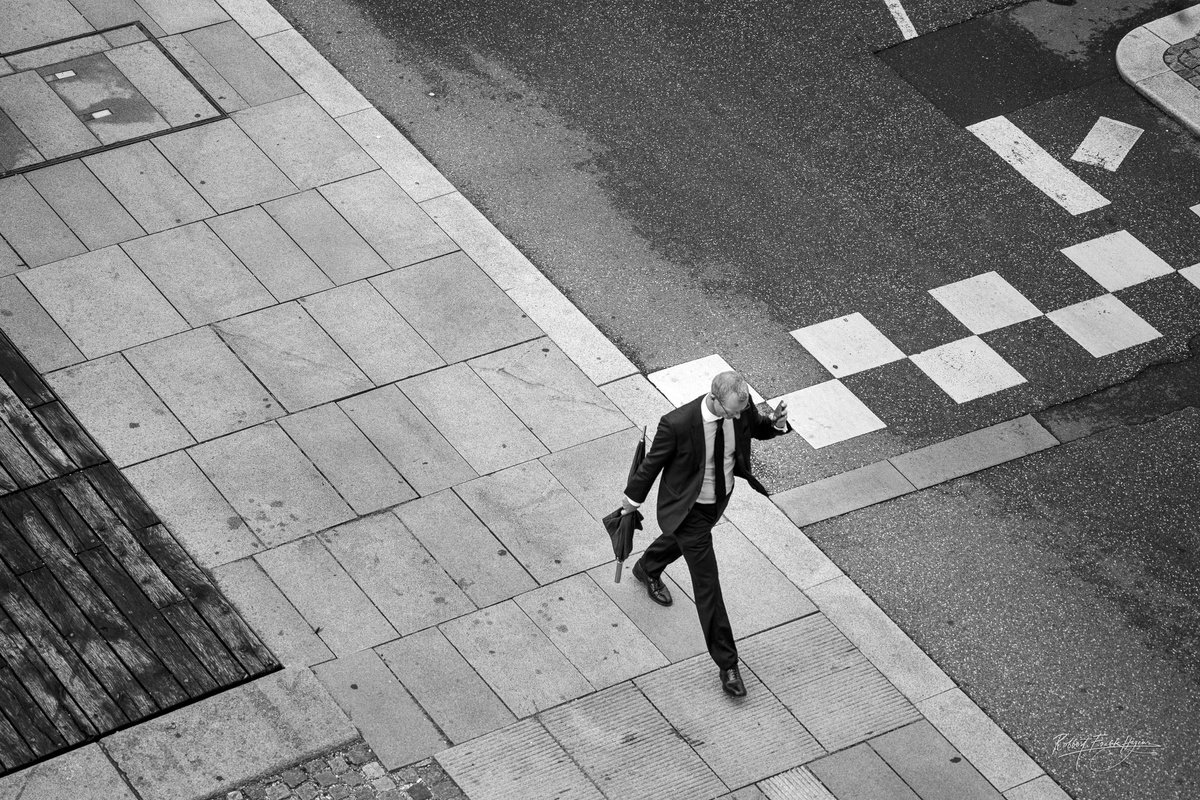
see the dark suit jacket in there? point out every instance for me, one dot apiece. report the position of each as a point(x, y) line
point(678, 453)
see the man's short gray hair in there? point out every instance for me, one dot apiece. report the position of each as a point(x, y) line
point(729, 383)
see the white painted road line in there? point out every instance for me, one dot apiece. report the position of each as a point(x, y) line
point(1039, 167)
point(1107, 144)
point(901, 17)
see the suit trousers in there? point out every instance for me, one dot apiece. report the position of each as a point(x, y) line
point(693, 540)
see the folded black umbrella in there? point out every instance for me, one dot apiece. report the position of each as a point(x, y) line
point(620, 526)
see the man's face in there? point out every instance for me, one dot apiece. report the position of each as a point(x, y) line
point(730, 406)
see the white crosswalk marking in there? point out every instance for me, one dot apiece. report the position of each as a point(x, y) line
point(1103, 325)
point(1107, 144)
point(847, 345)
point(1039, 167)
point(985, 303)
point(1117, 260)
point(967, 369)
point(828, 413)
point(685, 382)
point(901, 16)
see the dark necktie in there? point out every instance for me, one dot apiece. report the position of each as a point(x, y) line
point(719, 461)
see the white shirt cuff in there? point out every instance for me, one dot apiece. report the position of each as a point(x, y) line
point(635, 505)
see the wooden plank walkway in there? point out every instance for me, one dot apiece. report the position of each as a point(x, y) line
point(104, 618)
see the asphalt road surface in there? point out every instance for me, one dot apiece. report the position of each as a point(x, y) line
point(705, 178)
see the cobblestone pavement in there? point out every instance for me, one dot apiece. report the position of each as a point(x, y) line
point(353, 773)
point(1184, 58)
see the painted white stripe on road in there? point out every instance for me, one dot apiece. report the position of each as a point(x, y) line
point(1039, 167)
point(1107, 144)
point(901, 17)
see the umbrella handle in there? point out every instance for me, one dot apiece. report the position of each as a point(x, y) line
point(617, 577)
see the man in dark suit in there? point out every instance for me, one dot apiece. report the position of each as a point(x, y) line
point(692, 495)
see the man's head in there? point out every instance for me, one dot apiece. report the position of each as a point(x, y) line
point(730, 394)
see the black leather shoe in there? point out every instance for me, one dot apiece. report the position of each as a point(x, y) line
point(654, 586)
point(731, 682)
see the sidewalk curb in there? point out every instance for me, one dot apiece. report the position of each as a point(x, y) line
point(1140, 60)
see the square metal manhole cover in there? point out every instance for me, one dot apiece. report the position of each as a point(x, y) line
point(87, 93)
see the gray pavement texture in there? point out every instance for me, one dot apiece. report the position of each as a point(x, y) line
point(435, 586)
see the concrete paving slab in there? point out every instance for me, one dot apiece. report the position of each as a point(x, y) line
point(835, 692)
point(274, 258)
point(546, 390)
point(1043, 788)
point(1170, 91)
point(398, 156)
point(639, 400)
point(81, 201)
point(464, 547)
point(931, 766)
point(480, 240)
point(193, 510)
point(795, 784)
point(445, 685)
point(293, 357)
point(228, 170)
point(538, 520)
point(719, 727)
point(31, 227)
point(87, 94)
point(626, 746)
point(388, 218)
point(120, 412)
point(203, 383)
point(391, 722)
point(1140, 55)
point(672, 630)
point(591, 630)
point(860, 772)
point(407, 439)
point(271, 615)
point(258, 17)
point(372, 332)
point(315, 75)
point(109, 13)
point(520, 762)
point(123, 308)
point(973, 451)
point(582, 341)
point(595, 472)
point(194, 269)
point(303, 140)
point(266, 478)
point(218, 743)
point(840, 494)
point(328, 239)
point(252, 73)
point(149, 188)
point(396, 573)
point(42, 117)
point(472, 418)
point(757, 596)
point(176, 17)
point(74, 775)
point(847, 345)
point(327, 597)
point(347, 459)
point(40, 22)
point(787, 548)
point(32, 330)
point(124, 36)
point(17, 150)
point(900, 660)
point(456, 307)
point(174, 97)
point(516, 659)
point(10, 262)
point(1176, 27)
point(997, 757)
point(1103, 325)
point(205, 74)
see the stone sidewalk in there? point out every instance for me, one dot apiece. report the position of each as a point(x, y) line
point(390, 439)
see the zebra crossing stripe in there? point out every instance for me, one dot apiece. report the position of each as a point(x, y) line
point(1039, 167)
point(901, 16)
